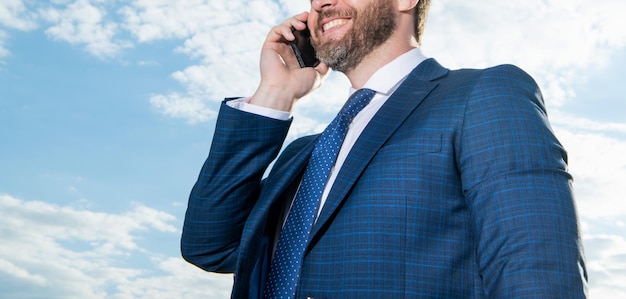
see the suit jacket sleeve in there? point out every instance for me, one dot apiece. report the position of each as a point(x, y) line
point(228, 186)
point(515, 179)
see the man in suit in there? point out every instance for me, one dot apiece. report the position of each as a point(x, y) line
point(448, 184)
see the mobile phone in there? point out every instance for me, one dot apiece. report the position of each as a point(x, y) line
point(302, 48)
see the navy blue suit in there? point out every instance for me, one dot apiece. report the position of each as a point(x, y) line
point(457, 188)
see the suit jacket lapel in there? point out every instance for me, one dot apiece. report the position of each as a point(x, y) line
point(285, 172)
point(286, 169)
point(382, 126)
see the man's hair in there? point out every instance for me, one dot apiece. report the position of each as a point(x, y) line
point(421, 14)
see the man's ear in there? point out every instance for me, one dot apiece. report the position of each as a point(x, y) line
point(406, 5)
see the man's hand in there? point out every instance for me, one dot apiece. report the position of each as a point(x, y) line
point(283, 82)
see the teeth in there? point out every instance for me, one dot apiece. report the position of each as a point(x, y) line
point(334, 23)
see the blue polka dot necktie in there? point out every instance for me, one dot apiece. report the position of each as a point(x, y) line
point(285, 267)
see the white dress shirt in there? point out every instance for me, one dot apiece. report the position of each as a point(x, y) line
point(385, 82)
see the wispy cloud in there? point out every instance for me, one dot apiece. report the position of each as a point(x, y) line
point(85, 24)
point(180, 106)
point(606, 256)
point(66, 252)
point(14, 16)
point(598, 164)
point(556, 40)
point(4, 52)
point(578, 123)
point(223, 37)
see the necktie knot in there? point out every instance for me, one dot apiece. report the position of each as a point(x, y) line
point(357, 101)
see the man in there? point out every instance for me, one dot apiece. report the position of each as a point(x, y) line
point(448, 184)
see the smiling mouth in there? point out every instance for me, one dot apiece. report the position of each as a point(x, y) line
point(334, 23)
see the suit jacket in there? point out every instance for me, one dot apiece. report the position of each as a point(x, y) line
point(457, 188)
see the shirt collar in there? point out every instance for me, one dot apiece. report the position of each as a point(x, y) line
point(387, 79)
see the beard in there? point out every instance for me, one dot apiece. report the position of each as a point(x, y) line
point(371, 27)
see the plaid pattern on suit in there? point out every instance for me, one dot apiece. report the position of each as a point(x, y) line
point(457, 188)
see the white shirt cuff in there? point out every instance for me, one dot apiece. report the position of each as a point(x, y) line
point(244, 105)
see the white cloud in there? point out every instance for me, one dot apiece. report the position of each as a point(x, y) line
point(224, 36)
point(4, 52)
point(158, 20)
point(580, 123)
point(83, 23)
point(183, 281)
point(554, 40)
point(15, 15)
point(606, 262)
point(180, 106)
point(69, 253)
point(598, 165)
point(21, 273)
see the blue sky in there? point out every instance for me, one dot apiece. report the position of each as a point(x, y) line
point(107, 109)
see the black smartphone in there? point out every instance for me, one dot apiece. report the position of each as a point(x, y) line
point(301, 46)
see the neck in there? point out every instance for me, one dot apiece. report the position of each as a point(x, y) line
point(370, 64)
point(398, 43)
